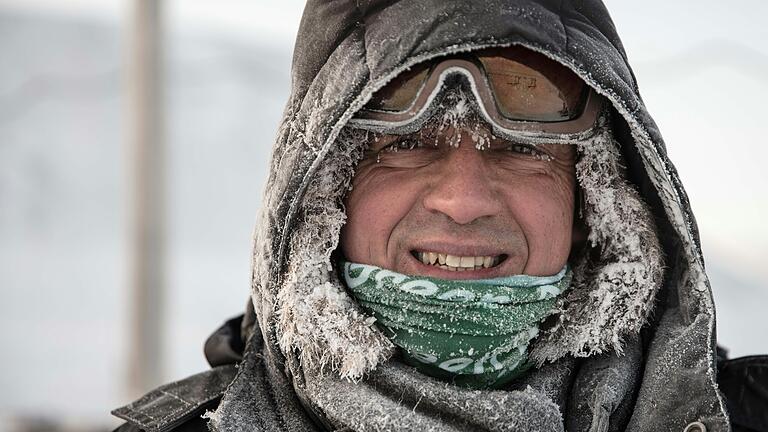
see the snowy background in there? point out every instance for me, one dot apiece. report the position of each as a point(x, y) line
point(702, 68)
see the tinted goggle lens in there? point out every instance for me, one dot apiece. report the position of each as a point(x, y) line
point(522, 93)
point(401, 92)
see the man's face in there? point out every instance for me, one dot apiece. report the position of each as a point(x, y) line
point(417, 201)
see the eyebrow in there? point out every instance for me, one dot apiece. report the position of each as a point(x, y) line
point(378, 142)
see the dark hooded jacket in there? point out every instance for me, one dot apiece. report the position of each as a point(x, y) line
point(667, 377)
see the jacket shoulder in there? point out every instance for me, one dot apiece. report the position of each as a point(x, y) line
point(177, 406)
point(744, 383)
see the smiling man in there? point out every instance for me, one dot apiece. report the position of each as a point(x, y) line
point(470, 224)
point(421, 204)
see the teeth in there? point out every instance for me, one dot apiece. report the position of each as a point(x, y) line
point(457, 263)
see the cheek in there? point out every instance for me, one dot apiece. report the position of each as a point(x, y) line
point(374, 206)
point(543, 208)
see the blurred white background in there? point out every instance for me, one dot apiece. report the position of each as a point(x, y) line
point(64, 180)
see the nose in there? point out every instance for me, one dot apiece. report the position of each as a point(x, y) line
point(461, 188)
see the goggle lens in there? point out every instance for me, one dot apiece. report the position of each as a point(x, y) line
point(400, 94)
point(548, 93)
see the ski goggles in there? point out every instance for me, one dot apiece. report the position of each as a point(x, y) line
point(518, 91)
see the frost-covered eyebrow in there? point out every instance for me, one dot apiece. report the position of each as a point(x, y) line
point(378, 142)
point(563, 153)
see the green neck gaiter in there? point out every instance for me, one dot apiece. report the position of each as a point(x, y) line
point(474, 333)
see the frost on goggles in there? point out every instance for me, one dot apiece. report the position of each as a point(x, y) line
point(523, 85)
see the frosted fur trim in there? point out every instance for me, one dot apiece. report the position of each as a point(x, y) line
point(316, 316)
point(621, 270)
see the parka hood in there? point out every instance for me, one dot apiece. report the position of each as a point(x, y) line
point(345, 51)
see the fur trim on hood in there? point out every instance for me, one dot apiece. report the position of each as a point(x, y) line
point(618, 275)
point(317, 317)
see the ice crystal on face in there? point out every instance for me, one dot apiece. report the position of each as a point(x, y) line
point(454, 116)
point(481, 137)
point(453, 113)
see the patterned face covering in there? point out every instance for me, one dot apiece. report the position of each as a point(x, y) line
point(474, 333)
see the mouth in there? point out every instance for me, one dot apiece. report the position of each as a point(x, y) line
point(457, 263)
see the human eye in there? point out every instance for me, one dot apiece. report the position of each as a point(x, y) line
point(404, 144)
point(406, 152)
point(528, 150)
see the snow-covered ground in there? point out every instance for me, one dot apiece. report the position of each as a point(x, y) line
point(64, 181)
